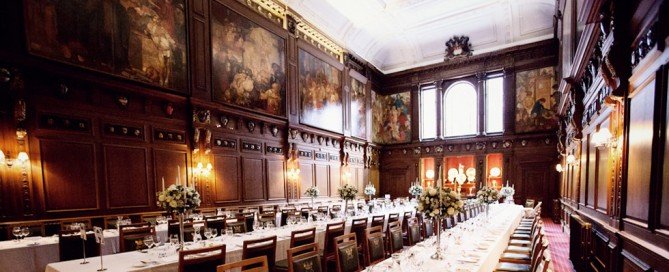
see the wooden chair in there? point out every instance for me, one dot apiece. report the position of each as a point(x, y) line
point(323, 210)
point(378, 220)
point(285, 213)
point(133, 238)
point(393, 217)
point(67, 224)
point(413, 233)
point(260, 247)
point(237, 227)
point(258, 264)
point(358, 227)
point(346, 254)
point(71, 246)
point(334, 211)
point(268, 209)
point(173, 229)
point(304, 258)
point(248, 218)
point(428, 228)
point(372, 230)
point(374, 247)
point(297, 238)
point(150, 218)
point(395, 239)
point(202, 259)
point(332, 231)
point(216, 222)
point(267, 219)
point(405, 221)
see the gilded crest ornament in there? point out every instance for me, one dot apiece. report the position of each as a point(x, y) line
point(122, 101)
point(251, 126)
point(458, 46)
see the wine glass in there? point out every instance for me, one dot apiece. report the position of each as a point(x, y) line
point(25, 232)
point(207, 233)
point(16, 231)
point(148, 241)
point(174, 239)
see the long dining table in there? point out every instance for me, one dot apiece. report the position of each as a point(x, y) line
point(165, 257)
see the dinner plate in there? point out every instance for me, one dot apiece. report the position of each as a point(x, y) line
point(138, 265)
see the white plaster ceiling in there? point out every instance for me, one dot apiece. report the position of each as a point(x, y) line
point(396, 35)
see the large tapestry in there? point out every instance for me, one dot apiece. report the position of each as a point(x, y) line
point(536, 100)
point(143, 40)
point(248, 64)
point(391, 118)
point(358, 110)
point(320, 93)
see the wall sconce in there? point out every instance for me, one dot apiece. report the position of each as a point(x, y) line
point(201, 170)
point(429, 174)
point(471, 174)
point(571, 160)
point(558, 167)
point(452, 174)
point(604, 138)
point(22, 159)
point(495, 172)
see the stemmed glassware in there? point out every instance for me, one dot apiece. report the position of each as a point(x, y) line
point(25, 232)
point(16, 231)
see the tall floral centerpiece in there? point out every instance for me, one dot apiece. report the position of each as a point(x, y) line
point(369, 191)
point(438, 203)
point(507, 192)
point(312, 192)
point(179, 200)
point(487, 195)
point(347, 192)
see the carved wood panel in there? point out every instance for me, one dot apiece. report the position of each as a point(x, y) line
point(69, 173)
point(335, 179)
point(165, 164)
point(227, 186)
point(321, 174)
point(276, 180)
point(126, 176)
point(253, 181)
point(306, 176)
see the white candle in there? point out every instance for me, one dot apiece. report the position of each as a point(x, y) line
point(178, 175)
point(163, 179)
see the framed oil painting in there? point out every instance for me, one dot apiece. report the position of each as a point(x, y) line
point(320, 93)
point(536, 100)
point(391, 118)
point(142, 40)
point(358, 109)
point(248, 63)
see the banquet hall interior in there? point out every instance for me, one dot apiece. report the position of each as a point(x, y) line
point(334, 135)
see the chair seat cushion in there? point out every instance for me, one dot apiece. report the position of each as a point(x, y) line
point(518, 249)
point(516, 256)
point(282, 264)
point(512, 267)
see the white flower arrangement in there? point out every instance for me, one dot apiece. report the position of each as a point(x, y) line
point(487, 195)
point(415, 190)
point(179, 199)
point(347, 192)
point(312, 192)
point(507, 191)
point(370, 190)
point(439, 203)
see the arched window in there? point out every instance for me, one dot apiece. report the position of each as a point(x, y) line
point(460, 112)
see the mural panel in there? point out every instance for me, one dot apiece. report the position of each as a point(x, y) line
point(320, 93)
point(143, 40)
point(248, 64)
point(391, 118)
point(358, 110)
point(536, 100)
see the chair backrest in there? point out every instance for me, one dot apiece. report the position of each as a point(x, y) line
point(133, 238)
point(202, 259)
point(260, 247)
point(136, 225)
point(267, 219)
point(538, 253)
point(428, 228)
point(375, 229)
point(346, 254)
point(395, 239)
point(543, 263)
point(248, 218)
point(529, 203)
point(71, 246)
point(413, 232)
point(323, 209)
point(237, 227)
point(302, 237)
point(150, 218)
point(393, 217)
point(66, 224)
point(265, 209)
point(374, 249)
point(378, 220)
point(394, 224)
point(405, 221)
point(258, 264)
point(173, 229)
point(304, 258)
point(215, 222)
point(331, 232)
point(358, 227)
point(285, 213)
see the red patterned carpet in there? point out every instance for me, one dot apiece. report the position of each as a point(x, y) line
point(559, 245)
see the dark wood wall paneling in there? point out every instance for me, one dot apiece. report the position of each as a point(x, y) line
point(613, 201)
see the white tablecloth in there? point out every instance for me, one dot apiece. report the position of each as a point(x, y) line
point(479, 248)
